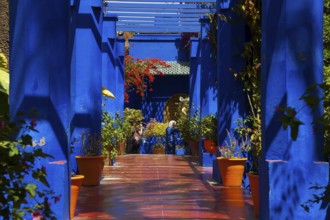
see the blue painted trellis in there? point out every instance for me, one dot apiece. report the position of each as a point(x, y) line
point(159, 16)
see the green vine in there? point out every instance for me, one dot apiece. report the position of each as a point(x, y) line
point(212, 34)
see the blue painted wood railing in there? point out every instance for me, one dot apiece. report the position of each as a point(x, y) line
point(155, 16)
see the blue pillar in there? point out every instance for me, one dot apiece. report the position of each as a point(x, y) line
point(208, 86)
point(195, 76)
point(120, 74)
point(231, 98)
point(86, 70)
point(109, 61)
point(40, 78)
point(291, 61)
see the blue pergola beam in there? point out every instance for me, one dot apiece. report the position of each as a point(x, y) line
point(158, 29)
point(144, 19)
point(173, 23)
point(167, 1)
point(162, 10)
point(158, 6)
point(157, 15)
point(149, 15)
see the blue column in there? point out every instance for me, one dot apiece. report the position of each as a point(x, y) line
point(120, 74)
point(86, 70)
point(231, 98)
point(208, 87)
point(291, 61)
point(40, 78)
point(208, 90)
point(109, 61)
point(195, 76)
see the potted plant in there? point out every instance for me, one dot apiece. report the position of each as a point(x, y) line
point(157, 130)
point(232, 162)
point(180, 150)
point(91, 163)
point(209, 130)
point(114, 132)
point(132, 119)
point(250, 128)
point(190, 130)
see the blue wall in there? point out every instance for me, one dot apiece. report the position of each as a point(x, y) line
point(292, 61)
point(164, 47)
point(40, 78)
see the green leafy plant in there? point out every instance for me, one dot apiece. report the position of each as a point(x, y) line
point(158, 130)
point(133, 117)
point(209, 128)
point(114, 131)
point(19, 159)
point(188, 126)
point(212, 33)
point(91, 144)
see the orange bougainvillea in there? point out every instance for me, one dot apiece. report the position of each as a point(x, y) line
point(140, 74)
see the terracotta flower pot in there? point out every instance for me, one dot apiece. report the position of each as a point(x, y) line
point(194, 146)
point(160, 150)
point(91, 167)
point(231, 170)
point(210, 147)
point(254, 185)
point(76, 182)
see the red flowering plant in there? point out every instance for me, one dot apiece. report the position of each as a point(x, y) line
point(140, 74)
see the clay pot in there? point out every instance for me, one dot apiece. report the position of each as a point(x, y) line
point(91, 167)
point(231, 170)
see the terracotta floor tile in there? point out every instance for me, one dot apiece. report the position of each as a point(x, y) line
point(161, 187)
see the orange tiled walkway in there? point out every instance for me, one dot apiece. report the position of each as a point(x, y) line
point(161, 187)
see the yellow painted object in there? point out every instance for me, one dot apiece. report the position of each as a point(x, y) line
point(107, 93)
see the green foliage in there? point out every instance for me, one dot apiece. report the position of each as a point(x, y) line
point(3, 63)
point(209, 128)
point(114, 131)
point(250, 13)
point(91, 144)
point(156, 129)
point(18, 163)
point(133, 117)
point(326, 44)
point(249, 129)
point(212, 34)
point(189, 127)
